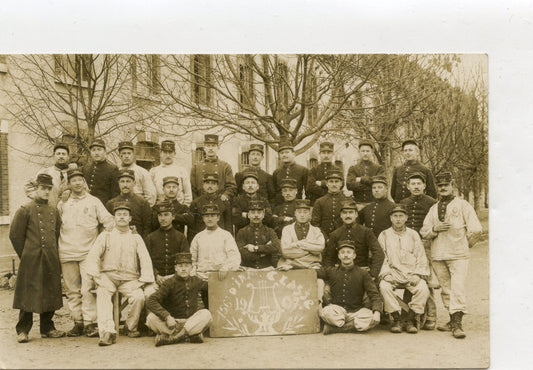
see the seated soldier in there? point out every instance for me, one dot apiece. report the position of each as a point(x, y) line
point(213, 249)
point(118, 260)
point(283, 214)
point(349, 283)
point(259, 245)
point(210, 195)
point(405, 267)
point(301, 243)
point(174, 316)
point(241, 204)
point(164, 243)
point(182, 215)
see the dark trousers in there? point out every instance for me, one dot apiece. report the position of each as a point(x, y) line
point(26, 322)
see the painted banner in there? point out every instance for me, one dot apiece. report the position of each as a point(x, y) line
point(250, 303)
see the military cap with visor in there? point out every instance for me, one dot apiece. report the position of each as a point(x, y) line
point(210, 209)
point(61, 145)
point(211, 177)
point(288, 183)
point(443, 178)
point(398, 208)
point(125, 145)
point(210, 139)
point(169, 179)
point(417, 175)
point(97, 142)
point(349, 204)
point(126, 173)
point(44, 179)
point(334, 174)
point(410, 142)
point(302, 203)
point(168, 146)
point(365, 142)
point(183, 258)
point(345, 244)
point(326, 146)
point(256, 204)
point(73, 173)
point(257, 147)
point(379, 179)
point(164, 206)
point(285, 144)
point(121, 205)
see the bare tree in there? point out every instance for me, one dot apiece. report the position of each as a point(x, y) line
point(266, 97)
point(80, 97)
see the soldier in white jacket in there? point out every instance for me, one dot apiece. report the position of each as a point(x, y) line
point(453, 227)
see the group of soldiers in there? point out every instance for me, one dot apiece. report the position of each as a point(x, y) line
point(155, 236)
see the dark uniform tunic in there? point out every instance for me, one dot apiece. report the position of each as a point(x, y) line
point(102, 179)
point(196, 210)
point(176, 297)
point(182, 216)
point(349, 285)
point(417, 208)
point(242, 204)
point(314, 191)
point(290, 171)
point(362, 191)
point(265, 180)
point(34, 232)
point(226, 181)
point(140, 211)
point(285, 209)
point(365, 244)
point(266, 239)
point(327, 211)
point(376, 215)
point(163, 246)
point(400, 177)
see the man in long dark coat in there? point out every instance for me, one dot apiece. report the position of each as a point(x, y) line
point(34, 233)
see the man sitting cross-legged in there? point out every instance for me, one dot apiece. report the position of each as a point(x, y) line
point(174, 316)
point(349, 283)
point(405, 266)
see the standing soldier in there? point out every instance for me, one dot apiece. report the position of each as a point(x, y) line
point(400, 175)
point(316, 182)
point(327, 209)
point(453, 227)
point(33, 233)
point(58, 172)
point(210, 196)
point(212, 164)
point(289, 170)
point(140, 210)
point(100, 174)
point(182, 214)
point(169, 168)
point(376, 215)
point(417, 206)
point(359, 177)
point(144, 185)
point(266, 184)
point(283, 214)
point(81, 216)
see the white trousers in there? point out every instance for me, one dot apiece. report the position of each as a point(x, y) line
point(418, 303)
point(196, 324)
point(337, 316)
point(80, 301)
point(452, 276)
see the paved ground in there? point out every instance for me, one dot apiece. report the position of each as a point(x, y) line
point(377, 349)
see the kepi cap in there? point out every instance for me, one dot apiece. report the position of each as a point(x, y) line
point(125, 145)
point(62, 145)
point(257, 147)
point(211, 177)
point(285, 144)
point(398, 208)
point(164, 206)
point(97, 142)
point(168, 146)
point(380, 179)
point(121, 205)
point(256, 204)
point(210, 139)
point(410, 142)
point(73, 173)
point(334, 174)
point(126, 173)
point(443, 178)
point(249, 173)
point(168, 179)
point(345, 244)
point(364, 142)
point(417, 175)
point(44, 179)
point(326, 146)
point(183, 258)
point(302, 203)
point(210, 209)
point(288, 183)
point(349, 204)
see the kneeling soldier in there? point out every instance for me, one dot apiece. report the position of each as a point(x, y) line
point(349, 283)
point(173, 308)
point(405, 267)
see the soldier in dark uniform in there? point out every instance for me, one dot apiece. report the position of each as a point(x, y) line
point(401, 174)
point(266, 184)
point(100, 174)
point(283, 214)
point(316, 181)
point(359, 177)
point(140, 211)
point(376, 215)
point(327, 209)
point(182, 214)
point(259, 245)
point(289, 170)
point(369, 253)
point(417, 206)
point(210, 196)
point(164, 243)
point(212, 164)
point(241, 204)
point(34, 232)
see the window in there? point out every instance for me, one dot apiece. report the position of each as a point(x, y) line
point(244, 160)
point(198, 155)
point(312, 96)
point(313, 162)
point(201, 79)
point(73, 69)
point(246, 82)
point(4, 179)
point(146, 74)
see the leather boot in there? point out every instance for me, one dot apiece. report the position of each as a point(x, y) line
point(107, 339)
point(413, 322)
point(396, 324)
point(91, 331)
point(457, 325)
point(76, 330)
point(164, 339)
point(447, 326)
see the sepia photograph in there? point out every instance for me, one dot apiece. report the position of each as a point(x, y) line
point(269, 202)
